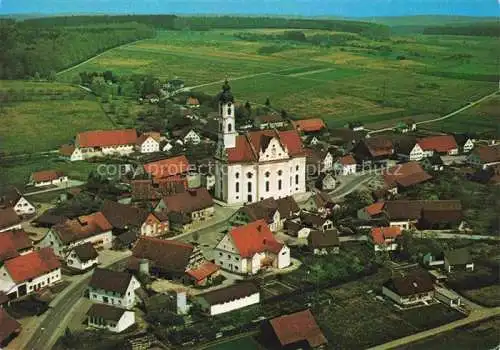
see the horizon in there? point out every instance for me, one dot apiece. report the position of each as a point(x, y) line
point(312, 8)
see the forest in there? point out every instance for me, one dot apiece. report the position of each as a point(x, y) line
point(30, 51)
point(473, 29)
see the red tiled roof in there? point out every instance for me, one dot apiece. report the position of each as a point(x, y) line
point(441, 143)
point(347, 160)
point(167, 255)
point(67, 150)
point(83, 227)
point(248, 146)
point(32, 265)
point(203, 271)
point(309, 125)
point(379, 146)
point(46, 175)
point(375, 208)
point(488, 154)
point(167, 167)
point(8, 325)
point(405, 175)
point(297, 327)
point(192, 101)
point(254, 237)
point(103, 138)
point(11, 242)
point(380, 234)
point(141, 139)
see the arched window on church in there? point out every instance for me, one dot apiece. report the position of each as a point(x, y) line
point(229, 110)
point(237, 187)
point(249, 187)
point(279, 184)
point(297, 179)
point(229, 127)
point(267, 186)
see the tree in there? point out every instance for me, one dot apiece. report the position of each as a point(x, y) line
point(108, 75)
point(98, 85)
point(52, 76)
point(268, 102)
point(36, 76)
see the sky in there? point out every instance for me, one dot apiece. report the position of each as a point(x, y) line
point(342, 8)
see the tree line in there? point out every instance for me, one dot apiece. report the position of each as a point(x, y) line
point(473, 29)
point(173, 22)
point(28, 51)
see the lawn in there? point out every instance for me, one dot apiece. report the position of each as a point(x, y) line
point(482, 335)
point(35, 126)
point(363, 80)
point(247, 343)
point(17, 173)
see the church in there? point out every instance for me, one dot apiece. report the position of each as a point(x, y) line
point(258, 164)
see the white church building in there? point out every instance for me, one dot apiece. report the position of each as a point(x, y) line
point(258, 164)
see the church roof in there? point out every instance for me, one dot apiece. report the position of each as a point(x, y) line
point(249, 145)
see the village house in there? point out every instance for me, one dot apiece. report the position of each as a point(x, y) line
point(250, 248)
point(407, 214)
point(150, 192)
point(406, 126)
point(296, 229)
point(113, 288)
point(411, 289)
point(112, 318)
point(458, 259)
point(147, 144)
point(187, 208)
point(82, 257)
point(344, 138)
point(484, 156)
point(47, 178)
point(320, 202)
point(315, 222)
point(464, 142)
point(174, 84)
point(403, 176)
point(123, 217)
point(320, 160)
point(293, 331)
point(155, 224)
point(326, 182)
point(173, 168)
point(93, 228)
point(312, 140)
point(306, 126)
point(71, 153)
point(274, 212)
point(408, 149)
point(14, 199)
point(270, 121)
point(345, 165)
point(385, 238)
point(237, 296)
point(258, 164)
point(10, 328)
point(14, 243)
point(372, 211)
point(172, 260)
point(447, 297)
point(186, 136)
point(442, 144)
point(9, 220)
point(324, 242)
point(99, 143)
point(356, 126)
point(373, 151)
point(44, 270)
point(192, 102)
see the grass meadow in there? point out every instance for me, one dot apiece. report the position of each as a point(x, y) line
point(362, 80)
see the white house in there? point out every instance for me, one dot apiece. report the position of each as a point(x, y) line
point(147, 144)
point(71, 153)
point(47, 178)
point(167, 146)
point(156, 224)
point(409, 290)
point(250, 248)
point(258, 164)
point(82, 257)
point(13, 198)
point(113, 288)
point(227, 299)
point(458, 259)
point(384, 238)
point(442, 144)
point(412, 152)
point(345, 165)
point(29, 273)
point(191, 137)
point(108, 317)
point(99, 143)
point(92, 228)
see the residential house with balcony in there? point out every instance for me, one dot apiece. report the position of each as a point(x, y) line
point(411, 289)
point(113, 288)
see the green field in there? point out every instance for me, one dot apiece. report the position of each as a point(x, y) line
point(362, 80)
point(42, 116)
point(247, 343)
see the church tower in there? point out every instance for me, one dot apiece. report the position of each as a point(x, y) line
point(227, 125)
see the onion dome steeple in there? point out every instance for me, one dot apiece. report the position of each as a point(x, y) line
point(226, 96)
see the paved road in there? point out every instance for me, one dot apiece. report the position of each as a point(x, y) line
point(474, 316)
point(449, 115)
point(351, 186)
point(71, 183)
